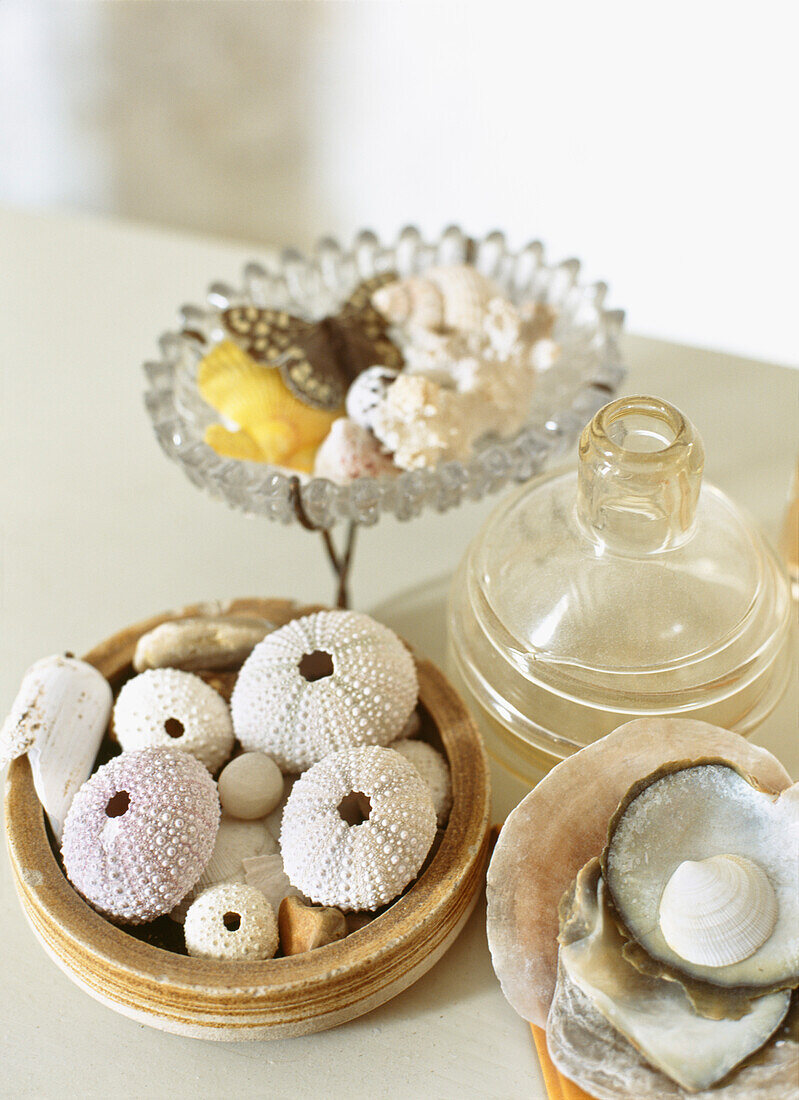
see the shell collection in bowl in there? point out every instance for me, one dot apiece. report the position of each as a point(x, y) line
point(386, 377)
point(643, 906)
point(260, 901)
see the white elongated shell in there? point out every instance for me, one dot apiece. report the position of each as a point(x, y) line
point(210, 642)
point(434, 770)
point(364, 695)
point(718, 910)
point(58, 717)
point(212, 934)
point(366, 865)
point(171, 709)
point(267, 874)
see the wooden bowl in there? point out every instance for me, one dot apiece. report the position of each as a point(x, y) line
point(278, 997)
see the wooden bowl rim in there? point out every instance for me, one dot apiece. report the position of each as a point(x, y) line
point(464, 837)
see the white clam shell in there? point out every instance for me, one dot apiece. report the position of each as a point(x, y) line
point(266, 873)
point(58, 717)
point(717, 911)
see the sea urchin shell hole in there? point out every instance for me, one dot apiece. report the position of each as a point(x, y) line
point(174, 728)
point(316, 665)
point(232, 921)
point(117, 804)
point(355, 808)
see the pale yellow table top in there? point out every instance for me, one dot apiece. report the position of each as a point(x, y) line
point(99, 530)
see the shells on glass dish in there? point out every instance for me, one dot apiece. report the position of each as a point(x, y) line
point(209, 643)
point(58, 718)
point(717, 911)
point(452, 296)
point(269, 424)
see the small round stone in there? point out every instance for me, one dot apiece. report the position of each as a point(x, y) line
point(250, 786)
point(231, 921)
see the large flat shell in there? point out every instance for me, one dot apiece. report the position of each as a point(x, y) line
point(563, 822)
point(589, 1051)
point(208, 643)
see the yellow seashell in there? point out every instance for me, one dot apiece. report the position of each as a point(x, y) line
point(274, 425)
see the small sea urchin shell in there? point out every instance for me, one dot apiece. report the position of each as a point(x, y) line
point(324, 682)
point(139, 833)
point(231, 921)
point(434, 770)
point(168, 708)
point(364, 865)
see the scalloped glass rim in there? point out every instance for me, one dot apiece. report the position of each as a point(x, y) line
point(585, 376)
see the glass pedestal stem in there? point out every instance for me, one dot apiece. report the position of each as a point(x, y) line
point(339, 561)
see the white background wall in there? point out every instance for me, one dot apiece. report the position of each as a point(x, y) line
point(656, 141)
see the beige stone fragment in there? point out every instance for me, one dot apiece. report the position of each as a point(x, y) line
point(208, 643)
point(304, 927)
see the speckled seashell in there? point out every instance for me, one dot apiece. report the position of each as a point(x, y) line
point(231, 921)
point(366, 392)
point(359, 866)
point(434, 770)
point(58, 718)
point(320, 683)
point(173, 709)
point(210, 643)
point(350, 452)
point(140, 832)
point(267, 874)
point(444, 297)
point(273, 425)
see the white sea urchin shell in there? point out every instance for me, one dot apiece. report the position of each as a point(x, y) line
point(324, 682)
point(434, 770)
point(365, 865)
point(168, 708)
point(231, 921)
point(139, 833)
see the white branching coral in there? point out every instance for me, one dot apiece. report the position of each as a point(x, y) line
point(366, 864)
point(320, 683)
point(434, 770)
point(168, 708)
point(231, 921)
point(139, 833)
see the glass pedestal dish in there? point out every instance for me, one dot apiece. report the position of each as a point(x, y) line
point(624, 589)
point(585, 374)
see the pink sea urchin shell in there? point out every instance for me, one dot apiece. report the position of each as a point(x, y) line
point(168, 708)
point(365, 865)
point(324, 682)
point(139, 833)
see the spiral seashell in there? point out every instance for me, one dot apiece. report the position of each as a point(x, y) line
point(717, 911)
point(58, 717)
point(449, 297)
point(274, 426)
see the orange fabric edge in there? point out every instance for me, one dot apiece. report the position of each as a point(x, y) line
point(558, 1087)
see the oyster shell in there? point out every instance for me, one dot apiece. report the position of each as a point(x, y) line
point(563, 822)
point(655, 1015)
point(694, 812)
point(718, 910)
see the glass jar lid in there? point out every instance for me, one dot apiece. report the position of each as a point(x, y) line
point(627, 586)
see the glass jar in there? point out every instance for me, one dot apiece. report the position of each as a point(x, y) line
point(624, 589)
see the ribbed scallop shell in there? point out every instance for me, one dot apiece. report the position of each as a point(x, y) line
point(139, 833)
point(168, 708)
point(366, 865)
point(717, 911)
point(443, 298)
point(212, 934)
point(365, 700)
point(274, 426)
